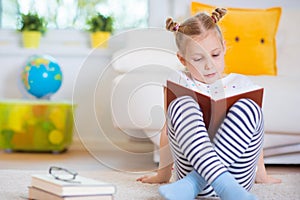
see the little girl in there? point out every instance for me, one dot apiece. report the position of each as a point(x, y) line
point(227, 165)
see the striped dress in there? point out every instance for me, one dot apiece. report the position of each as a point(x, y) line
point(236, 145)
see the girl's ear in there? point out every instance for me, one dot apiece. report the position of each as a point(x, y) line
point(181, 59)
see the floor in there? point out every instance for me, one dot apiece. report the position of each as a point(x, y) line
point(131, 157)
point(81, 158)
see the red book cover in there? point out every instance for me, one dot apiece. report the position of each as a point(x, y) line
point(214, 110)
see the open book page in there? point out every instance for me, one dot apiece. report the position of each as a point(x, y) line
point(231, 85)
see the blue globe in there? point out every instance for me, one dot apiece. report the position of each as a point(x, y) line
point(41, 76)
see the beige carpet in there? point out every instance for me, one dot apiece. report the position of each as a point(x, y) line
point(13, 185)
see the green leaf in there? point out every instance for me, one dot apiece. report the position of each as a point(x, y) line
point(32, 22)
point(99, 22)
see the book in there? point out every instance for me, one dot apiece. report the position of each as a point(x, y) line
point(38, 194)
point(214, 108)
point(81, 186)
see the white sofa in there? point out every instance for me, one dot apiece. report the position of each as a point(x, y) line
point(281, 98)
point(281, 101)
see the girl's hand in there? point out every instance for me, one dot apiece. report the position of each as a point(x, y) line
point(153, 179)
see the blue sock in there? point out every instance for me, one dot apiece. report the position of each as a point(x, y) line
point(186, 188)
point(228, 188)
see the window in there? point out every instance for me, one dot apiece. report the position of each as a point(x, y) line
point(64, 14)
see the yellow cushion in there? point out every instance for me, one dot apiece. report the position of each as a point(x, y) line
point(250, 38)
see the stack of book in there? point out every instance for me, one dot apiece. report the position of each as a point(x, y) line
point(46, 187)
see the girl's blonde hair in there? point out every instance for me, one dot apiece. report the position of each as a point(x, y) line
point(198, 24)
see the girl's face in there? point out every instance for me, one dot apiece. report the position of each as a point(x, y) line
point(204, 57)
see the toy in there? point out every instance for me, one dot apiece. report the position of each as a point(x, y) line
point(36, 125)
point(41, 76)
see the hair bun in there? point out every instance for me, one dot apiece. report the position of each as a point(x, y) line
point(218, 14)
point(172, 25)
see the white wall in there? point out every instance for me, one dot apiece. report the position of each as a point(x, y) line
point(71, 50)
point(180, 9)
point(89, 72)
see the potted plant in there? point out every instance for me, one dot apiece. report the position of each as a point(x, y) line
point(100, 28)
point(32, 27)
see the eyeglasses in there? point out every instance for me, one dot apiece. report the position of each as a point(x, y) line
point(63, 174)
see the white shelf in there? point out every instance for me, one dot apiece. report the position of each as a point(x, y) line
point(55, 42)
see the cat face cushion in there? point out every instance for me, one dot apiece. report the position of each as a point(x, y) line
point(250, 37)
